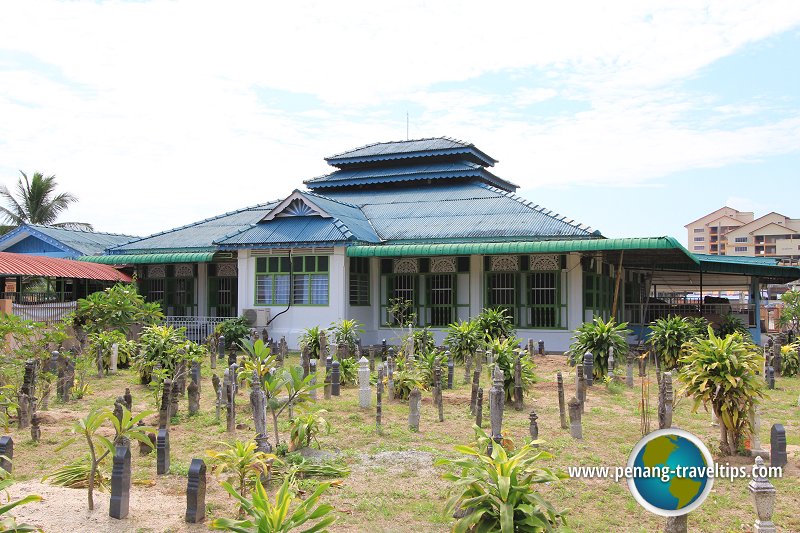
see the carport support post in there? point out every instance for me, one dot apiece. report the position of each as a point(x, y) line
point(755, 304)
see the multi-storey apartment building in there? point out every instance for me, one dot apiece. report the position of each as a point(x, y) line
point(727, 231)
point(709, 234)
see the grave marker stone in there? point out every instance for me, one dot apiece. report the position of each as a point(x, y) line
point(437, 387)
point(230, 407)
point(390, 380)
point(195, 375)
point(120, 483)
point(162, 451)
point(414, 401)
point(476, 379)
point(518, 400)
point(194, 398)
point(304, 361)
point(114, 358)
point(764, 495)
point(119, 406)
point(128, 399)
point(328, 377)
point(372, 359)
point(468, 367)
point(364, 392)
point(479, 409)
point(497, 396)
point(777, 357)
point(575, 429)
point(562, 411)
point(336, 379)
point(378, 407)
point(581, 388)
point(451, 369)
point(777, 445)
point(7, 453)
point(163, 412)
point(588, 368)
point(677, 524)
point(770, 377)
point(196, 492)
point(144, 448)
point(176, 394)
point(534, 425)
point(312, 368)
point(541, 348)
point(36, 431)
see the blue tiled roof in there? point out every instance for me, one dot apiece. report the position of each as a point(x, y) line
point(462, 211)
point(437, 146)
point(407, 172)
point(82, 242)
point(345, 223)
point(199, 236)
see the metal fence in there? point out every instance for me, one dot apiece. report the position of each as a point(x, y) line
point(198, 328)
point(711, 311)
point(36, 297)
point(46, 312)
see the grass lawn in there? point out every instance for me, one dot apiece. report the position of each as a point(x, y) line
point(393, 485)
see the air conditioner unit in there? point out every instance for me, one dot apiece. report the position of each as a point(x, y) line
point(256, 318)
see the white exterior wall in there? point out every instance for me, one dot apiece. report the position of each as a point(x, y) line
point(292, 323)
point(298, 317)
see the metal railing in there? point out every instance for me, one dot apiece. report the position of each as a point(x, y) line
point(198, 328)
point(711, 311)
point(36, 297)
point(44, 312)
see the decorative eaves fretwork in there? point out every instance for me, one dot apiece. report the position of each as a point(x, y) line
point(297, 208)
point(545, 262)
point(296, 204)
point(184, 271)
point(443, 264)
point(505, 263)
point(156, 271)
point(406, 266)
point(226, 270)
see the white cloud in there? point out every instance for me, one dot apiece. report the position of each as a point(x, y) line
point(150, 112)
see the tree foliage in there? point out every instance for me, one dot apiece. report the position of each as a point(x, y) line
point(36, 202)
point(720, 373)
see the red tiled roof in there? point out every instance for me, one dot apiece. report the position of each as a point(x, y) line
point(12, 264)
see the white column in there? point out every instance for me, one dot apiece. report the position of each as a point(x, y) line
point(245, 281)
point(476, 292)
point(574, 291)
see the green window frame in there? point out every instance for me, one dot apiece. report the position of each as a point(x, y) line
point(440, 300)
point(543, 307)
point(502, 291)
point(598, 294)
point(301, 279)
point(359, 281)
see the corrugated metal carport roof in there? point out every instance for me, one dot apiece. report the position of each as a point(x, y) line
point(49, 267)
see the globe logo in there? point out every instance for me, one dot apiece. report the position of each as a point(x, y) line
point(672, 472)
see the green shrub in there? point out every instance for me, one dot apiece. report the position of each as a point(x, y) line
point(425, 363)
point(789, 359)
point(495, 324)
point(269, 517)
point(405, 380)
point(306, 427)
point(505, 355)
point(346, 331)
point(667, 336)
point(731, 324)
point(463, 338)
point(101, 343)
point(720, 372)
point(597, 337)
point(498, 491)
point(310, 340)
point(234, 331)
point(116, 308)
point(348, 371)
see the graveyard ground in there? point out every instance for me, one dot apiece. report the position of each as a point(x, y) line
point(393, 485)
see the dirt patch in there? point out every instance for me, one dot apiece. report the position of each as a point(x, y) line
point(66, 510)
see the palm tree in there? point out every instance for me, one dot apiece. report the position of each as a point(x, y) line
point(36, 202)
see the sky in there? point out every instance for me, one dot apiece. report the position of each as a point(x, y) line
point(635, 118)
